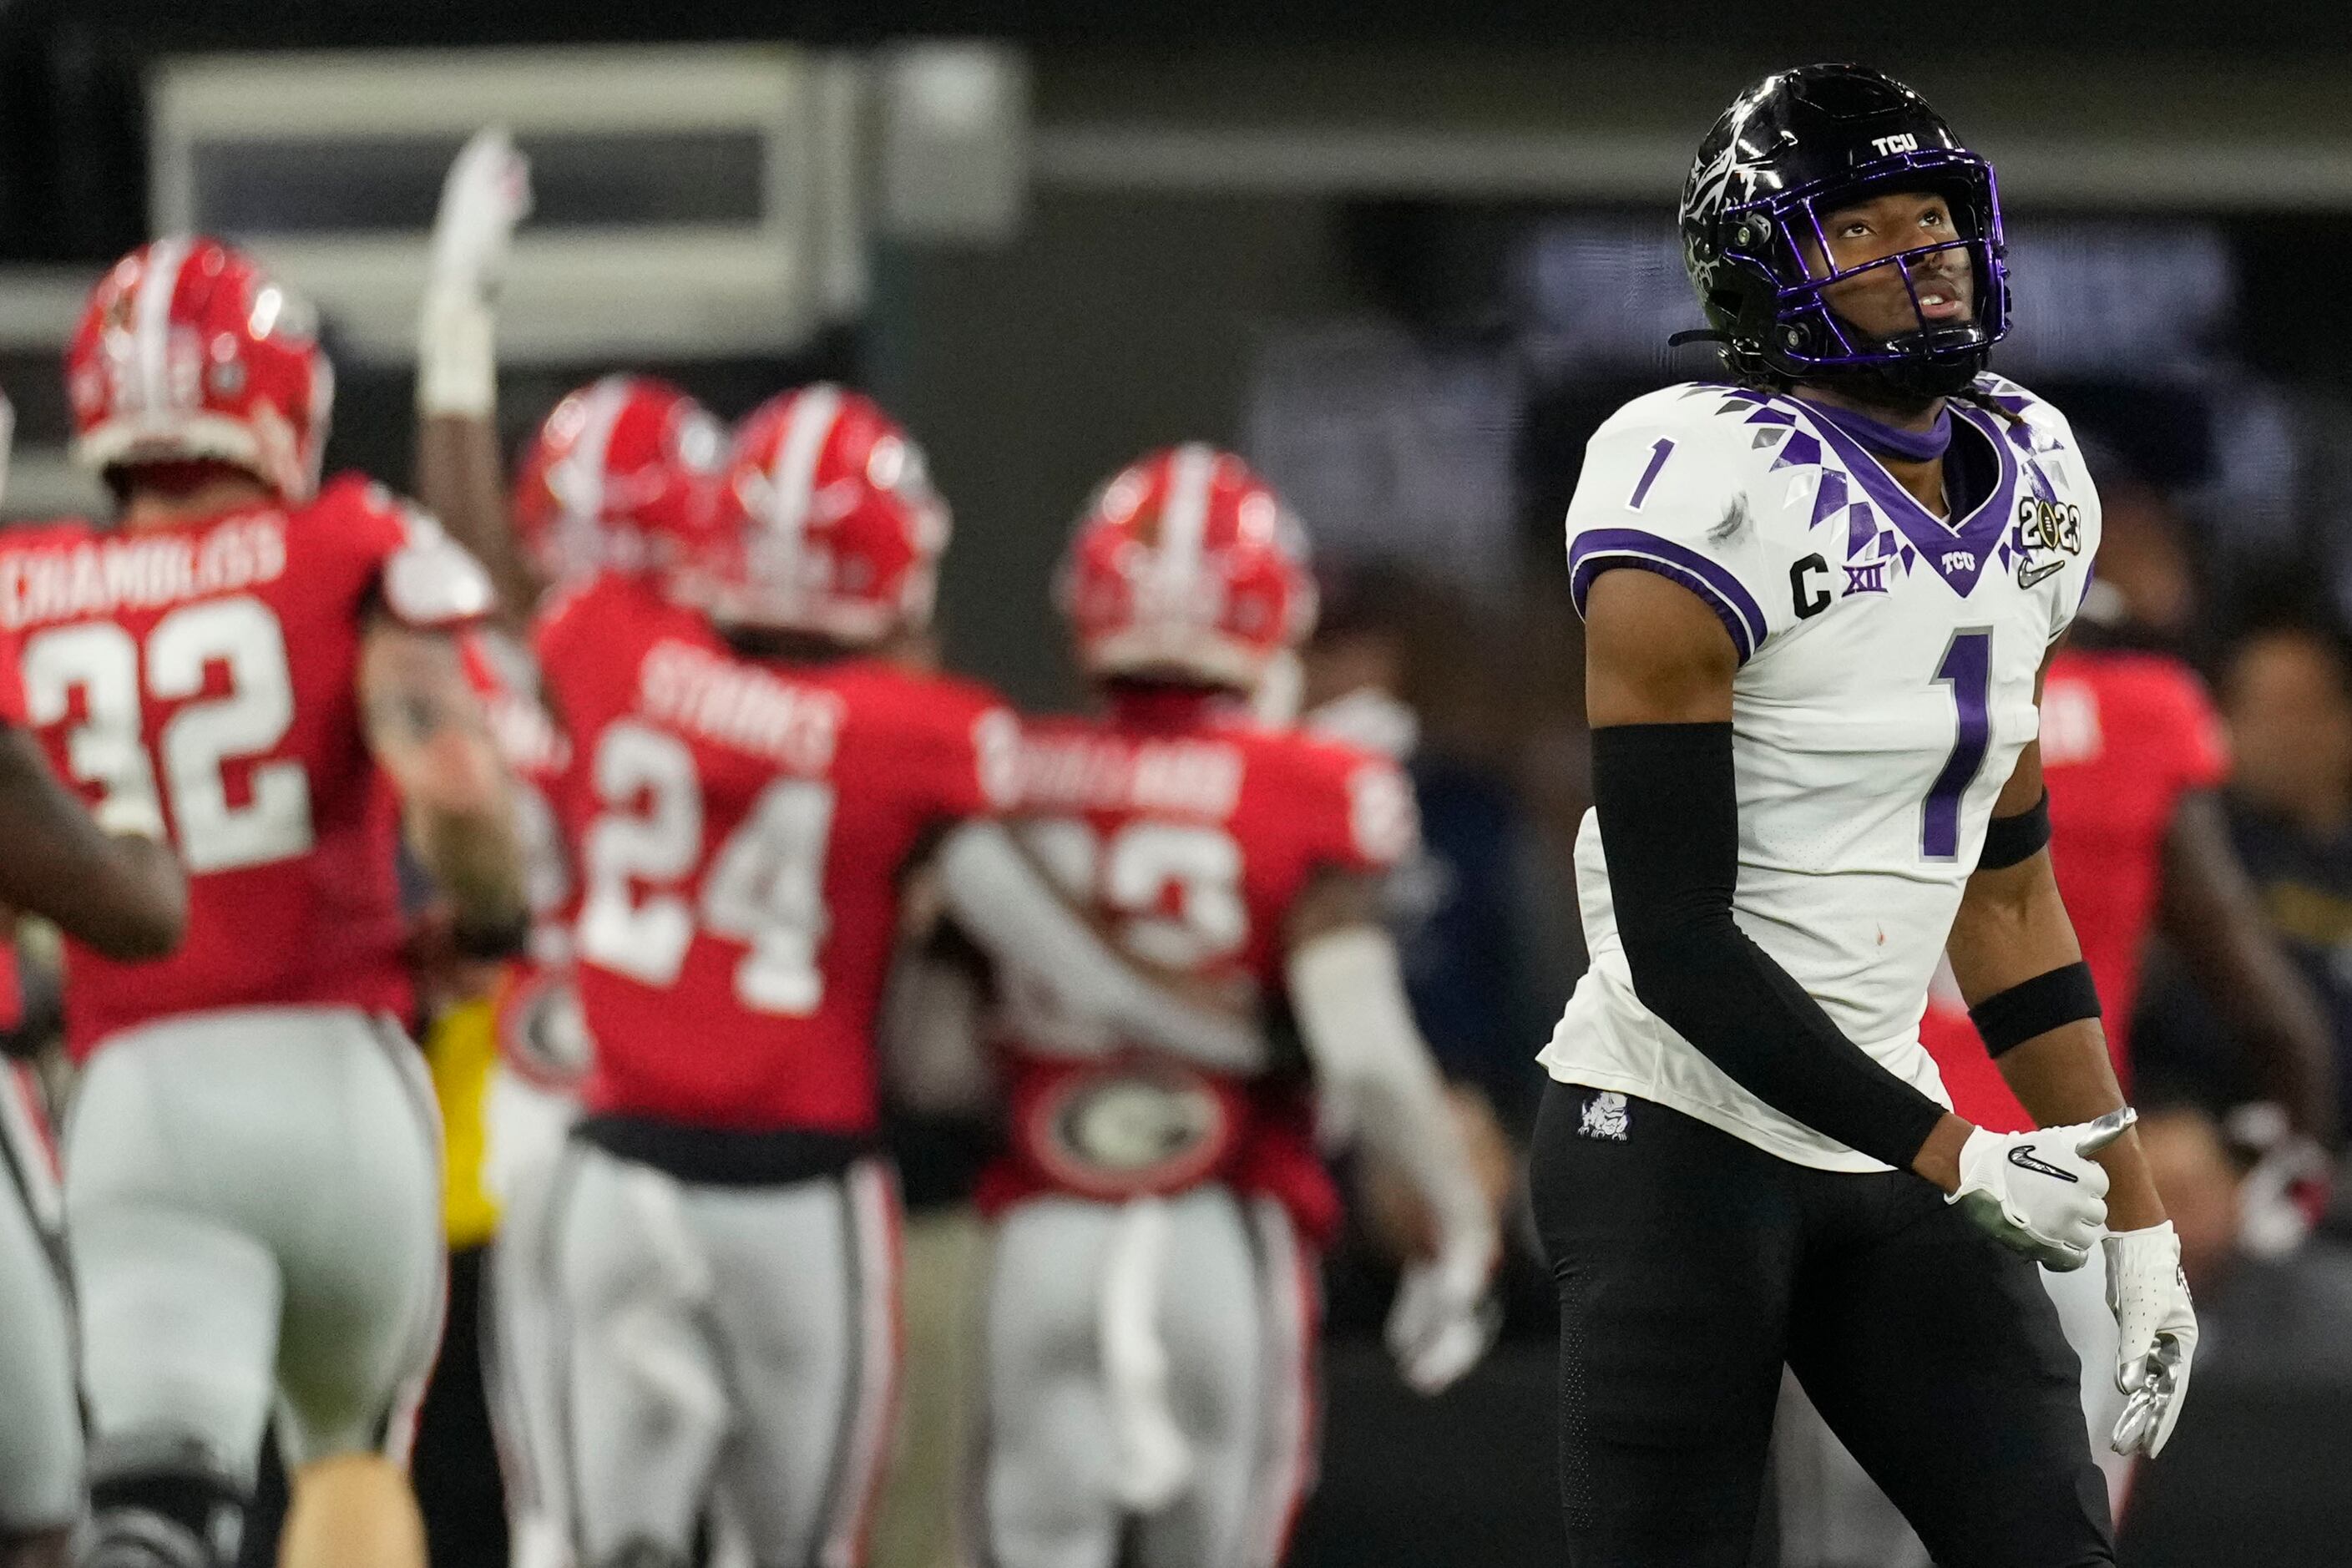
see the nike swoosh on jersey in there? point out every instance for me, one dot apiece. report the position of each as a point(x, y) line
point(2022, 1158)
point(2029, 576)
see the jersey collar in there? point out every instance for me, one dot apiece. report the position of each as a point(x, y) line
point(1957, 551)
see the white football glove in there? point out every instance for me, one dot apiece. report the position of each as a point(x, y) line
point(1443, 1320)
point(2156, 1326)
point(485, 194)
point(2041, 1193)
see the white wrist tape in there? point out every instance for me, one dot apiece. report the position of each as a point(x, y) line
point(456, 357)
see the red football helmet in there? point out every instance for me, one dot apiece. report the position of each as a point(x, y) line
point(824, 522)
point(617, 476)
point(187, 350)
point(1187, 564)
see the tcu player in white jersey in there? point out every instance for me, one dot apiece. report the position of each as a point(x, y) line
point(1818, 597)
point(113, 884)
point(251, 1176)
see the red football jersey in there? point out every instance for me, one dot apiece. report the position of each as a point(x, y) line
point(2123, 737)
point(11, 674)
point(741, 826)
point(1189, 831)
point(209, 667)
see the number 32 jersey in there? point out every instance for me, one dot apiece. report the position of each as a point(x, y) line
point(209, 669)
point(741, 827)
point(1887, 660)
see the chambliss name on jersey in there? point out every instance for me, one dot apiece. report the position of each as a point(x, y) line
point(1887, 660)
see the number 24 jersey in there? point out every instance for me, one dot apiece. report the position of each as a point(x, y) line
point(209, 669)
point(1887, 660)
point(741, 826)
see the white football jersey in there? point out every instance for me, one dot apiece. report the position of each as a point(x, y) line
point(1887, 660)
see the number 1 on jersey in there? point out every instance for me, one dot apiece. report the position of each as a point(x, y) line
point(1967, 669)
point(1658, 456)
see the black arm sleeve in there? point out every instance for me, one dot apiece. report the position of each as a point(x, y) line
point(1670, 828)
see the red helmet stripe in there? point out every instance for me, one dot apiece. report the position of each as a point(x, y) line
point(159, 285)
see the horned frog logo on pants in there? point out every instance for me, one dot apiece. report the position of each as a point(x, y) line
point(1605, 1116)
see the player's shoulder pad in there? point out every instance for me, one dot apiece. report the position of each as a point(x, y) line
point(424, 578)
point(2048, 430)
point(1685, 414)
point(2160, 682)
point(1708, 413)
point(953, 720)
point(565, 613)
point(1362, 797)
point(430, 581)
point(1683, 452)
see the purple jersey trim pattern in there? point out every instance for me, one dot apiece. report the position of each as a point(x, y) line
point(1599, 549)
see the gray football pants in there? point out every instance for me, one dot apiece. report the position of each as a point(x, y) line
point(1149, 1382)
point(40, 1424)
point(253, 1201)
point(735, 1340)
point(528, 1127)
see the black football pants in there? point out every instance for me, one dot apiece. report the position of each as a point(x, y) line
point(1691, 1265)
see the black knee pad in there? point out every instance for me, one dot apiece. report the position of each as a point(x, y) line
point(163, 1518)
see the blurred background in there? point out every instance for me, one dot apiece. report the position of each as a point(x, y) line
point(1404, 257)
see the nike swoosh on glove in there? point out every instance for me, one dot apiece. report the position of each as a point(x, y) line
point(1444, 1321)
point(2041, 1193)
point(2155, 1326)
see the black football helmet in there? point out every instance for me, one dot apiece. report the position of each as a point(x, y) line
point(1797, 144)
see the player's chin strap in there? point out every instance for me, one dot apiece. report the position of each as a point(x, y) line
point(1152, 1461)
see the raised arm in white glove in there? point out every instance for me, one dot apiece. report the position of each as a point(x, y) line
point(486, 194)
point(2041, 1193)
point(2156, 1326)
